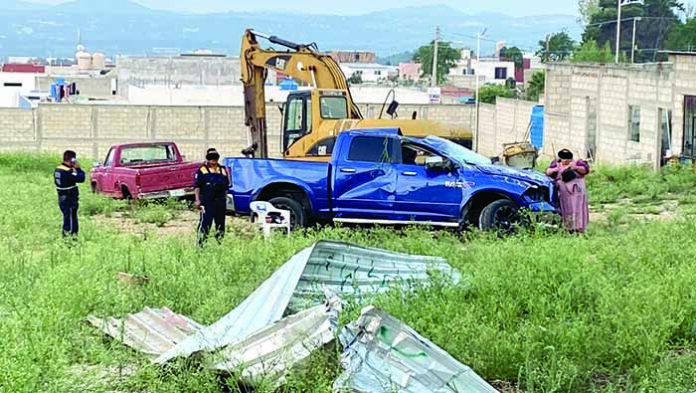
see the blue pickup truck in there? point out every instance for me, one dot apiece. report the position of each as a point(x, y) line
point(379, 176)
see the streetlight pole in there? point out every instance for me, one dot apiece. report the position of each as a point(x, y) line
point(633, 42)
point(618, 29)
point(619, 4)
point(433, 79)
point(476, 75)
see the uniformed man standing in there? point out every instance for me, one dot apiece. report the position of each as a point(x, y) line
point(66, 176)
point(211, 192)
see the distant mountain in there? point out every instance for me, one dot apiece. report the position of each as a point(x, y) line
point(123, 27)
point(110, 7)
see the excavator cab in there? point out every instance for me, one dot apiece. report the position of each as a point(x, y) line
point(300, 117)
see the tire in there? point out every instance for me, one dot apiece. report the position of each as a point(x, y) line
point(94, 188)
point(500, 215)
point(298, 216)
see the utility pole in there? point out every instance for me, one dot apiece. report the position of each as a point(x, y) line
point(618, 29)
point(633, 42)
point(619, 4)
point(548, 52)
point(433, 80)
point(477, 74)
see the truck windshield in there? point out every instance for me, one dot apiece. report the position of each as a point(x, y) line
point(457, 152)
point(147, 154)
point(334, 108)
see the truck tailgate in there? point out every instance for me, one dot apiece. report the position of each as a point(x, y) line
point(167, 177)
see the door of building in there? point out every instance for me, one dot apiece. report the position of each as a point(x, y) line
point(689, 148)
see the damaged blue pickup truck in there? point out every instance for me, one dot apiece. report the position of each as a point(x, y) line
point(379, 176)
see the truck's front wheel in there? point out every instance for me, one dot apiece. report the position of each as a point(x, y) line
point(298, 216)
point(502, 215)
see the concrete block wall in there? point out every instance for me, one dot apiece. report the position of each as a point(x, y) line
point(92, 129)
point(609, 91)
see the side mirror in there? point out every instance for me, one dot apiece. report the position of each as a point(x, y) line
point(435, 163)
point(96, 164)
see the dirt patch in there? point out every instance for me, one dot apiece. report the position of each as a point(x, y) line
point(184, 224)
point(665, 210)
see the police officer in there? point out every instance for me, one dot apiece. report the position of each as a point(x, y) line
point(211, 191)
point(66, 176)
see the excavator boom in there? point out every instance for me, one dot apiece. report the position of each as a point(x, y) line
point(301, 62)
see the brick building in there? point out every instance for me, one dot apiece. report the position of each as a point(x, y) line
point(627, 113)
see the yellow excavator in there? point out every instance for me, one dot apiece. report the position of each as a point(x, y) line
point(313, 118)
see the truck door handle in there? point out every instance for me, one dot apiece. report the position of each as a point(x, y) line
point(409, 173)
point(348, 170)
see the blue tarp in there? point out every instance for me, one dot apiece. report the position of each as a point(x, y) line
point(537, 129)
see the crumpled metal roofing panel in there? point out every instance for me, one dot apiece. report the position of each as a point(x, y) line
point(271, 352)
point(340, 267)
point(382, 354)
point(152, 331)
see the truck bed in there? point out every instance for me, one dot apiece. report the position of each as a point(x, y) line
point(252, 174)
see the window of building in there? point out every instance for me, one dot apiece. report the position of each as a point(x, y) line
point(500, 73)
point(12, 84)
point(370, 149)
point(634, 123)
point(377, 72)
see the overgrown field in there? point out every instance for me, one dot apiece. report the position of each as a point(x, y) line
point(614, 311)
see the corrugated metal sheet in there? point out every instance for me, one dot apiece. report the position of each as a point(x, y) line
point(152, 331)
point(382, 354)
point(272, 351)
point(340, 267)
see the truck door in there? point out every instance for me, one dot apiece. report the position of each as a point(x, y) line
point(422, 194)
point(364, 180)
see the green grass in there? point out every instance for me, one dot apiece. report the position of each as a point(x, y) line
point(613, 311)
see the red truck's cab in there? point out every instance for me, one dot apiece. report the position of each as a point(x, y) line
point(145, 170)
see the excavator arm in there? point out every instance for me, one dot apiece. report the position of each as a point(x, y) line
point(301, 62)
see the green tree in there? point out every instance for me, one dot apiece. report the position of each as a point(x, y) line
point(447, 57)
point(355, 79)
point(536, 86)
point(513, 54)
point(659, 19)
point(587, 8)
point(589, 52)
point(683, 38)
point(557, 47)
point(489, 93)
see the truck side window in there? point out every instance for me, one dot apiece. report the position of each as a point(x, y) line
point(414, 155)
point(109, 161)
point(371, 149)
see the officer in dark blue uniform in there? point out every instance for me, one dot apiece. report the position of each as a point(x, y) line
point(211, 192)
point(66, 176)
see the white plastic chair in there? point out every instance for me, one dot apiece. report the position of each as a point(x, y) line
point(268, 217)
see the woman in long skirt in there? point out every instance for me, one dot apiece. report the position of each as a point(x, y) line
point(569, 176)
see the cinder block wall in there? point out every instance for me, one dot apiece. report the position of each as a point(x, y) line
point(91, 129)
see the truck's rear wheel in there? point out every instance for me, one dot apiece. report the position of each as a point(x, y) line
point(298, 216)
point(501, 215)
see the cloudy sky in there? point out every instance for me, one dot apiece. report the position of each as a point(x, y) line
point(510, 7)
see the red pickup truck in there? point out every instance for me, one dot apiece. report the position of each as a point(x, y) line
point(144, 171)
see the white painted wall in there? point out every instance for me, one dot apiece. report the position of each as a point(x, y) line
point(9, 95)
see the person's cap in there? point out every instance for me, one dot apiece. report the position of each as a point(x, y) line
point(565, 154)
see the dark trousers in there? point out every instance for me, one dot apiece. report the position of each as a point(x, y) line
point(215, 210)
point(68, 206)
